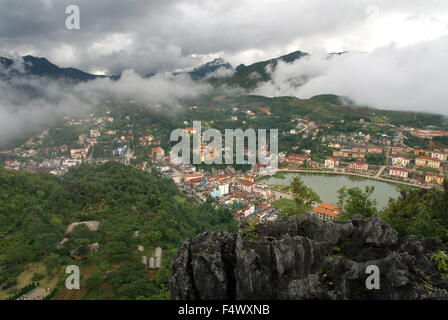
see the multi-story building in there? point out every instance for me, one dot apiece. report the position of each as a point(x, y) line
point(428, 162)
point(359, 166)
point(343, 153)
point(330, 163)
point(296, 159)
point(326, 211)
point(441, 156)
point(262, 190)
point(401, 162)
point(399, 172)
point(434, 178)
point(375, 150)
point(246, 185)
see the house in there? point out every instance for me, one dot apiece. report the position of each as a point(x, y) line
point(334, 145)
point(358, 155)
point(341, 153)
point(190, 130)
point(422, 152)
point(326, 211)
point(359, 166)
point(395, 150)
point(249, 177)
point(248, 211)
point(330, 163)
point(375, 150)
point(262, 190)
point(428, 162)
point(207, 153)
point(399, 172)
point(400, 162)
point(94, 133)
point(296, 159)
point(223, 188)
point(193, 176)
point(359, 149)
point(246, 185)
point(79, 153)
point(441, 156)
point(434, 178)
point(157, 153)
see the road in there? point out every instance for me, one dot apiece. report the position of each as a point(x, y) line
point(380, 171)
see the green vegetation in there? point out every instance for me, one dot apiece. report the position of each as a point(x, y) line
point(376, 159)
point(441, 258)
point(356, 201)
point(303, 198)
point(284, 204)
point(428, 170)
point(36, 208)
point(22, 291)
point(251, 233)
point(279, 175)
point(420, 212)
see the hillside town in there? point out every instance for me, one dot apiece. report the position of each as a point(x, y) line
point(103, 137)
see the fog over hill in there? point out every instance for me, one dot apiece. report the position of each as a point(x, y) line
point(34, 90)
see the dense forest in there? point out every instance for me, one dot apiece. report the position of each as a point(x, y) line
point(133, 207)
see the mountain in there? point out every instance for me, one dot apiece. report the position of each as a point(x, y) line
point(218, 71)
point(249, 77)
point(303, 257)
point(43, 68)
point(210, 69)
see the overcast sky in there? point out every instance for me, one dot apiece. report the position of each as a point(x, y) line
point(397, 50)
point(154, 35)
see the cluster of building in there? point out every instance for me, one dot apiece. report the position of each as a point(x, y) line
point(229, 188)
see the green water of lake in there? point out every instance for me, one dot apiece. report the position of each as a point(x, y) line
point(327, 186)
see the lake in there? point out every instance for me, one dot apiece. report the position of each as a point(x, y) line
point(327, 186)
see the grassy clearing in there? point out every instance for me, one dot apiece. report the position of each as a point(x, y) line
point(284, 204)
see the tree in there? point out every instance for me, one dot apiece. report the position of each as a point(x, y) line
point(117, 250)
point(303, 197)
point(19, 254)
point(418, 212)
point(355, 201)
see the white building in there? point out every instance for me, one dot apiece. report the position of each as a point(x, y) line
point(223, 188)
point(330, 163)
point(400, 162)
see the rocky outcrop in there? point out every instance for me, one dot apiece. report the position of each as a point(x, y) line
point(306, 258)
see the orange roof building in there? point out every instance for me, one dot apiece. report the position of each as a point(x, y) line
point(326, 211)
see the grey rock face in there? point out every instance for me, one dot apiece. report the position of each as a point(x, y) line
point(306, 258)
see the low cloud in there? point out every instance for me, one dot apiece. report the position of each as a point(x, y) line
point(30, 102)
point(391, 77)
point(221, 72)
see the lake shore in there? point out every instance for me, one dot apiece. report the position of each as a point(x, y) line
point(331, 172)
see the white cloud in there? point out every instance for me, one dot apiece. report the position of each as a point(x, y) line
point(27, 103)
point(391, 77)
